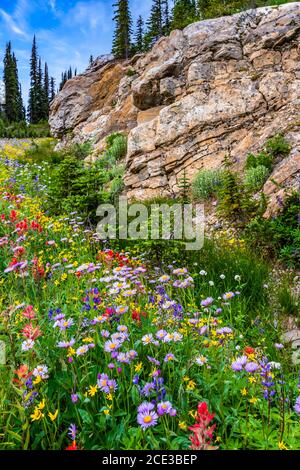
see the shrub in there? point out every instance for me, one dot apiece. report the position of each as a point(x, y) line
point(262, 159)
point(207, 183)
point(278, 145)
point(21, 130)
point(235, 201)
point(255, 178)
point(41, 151)
point(116, 148)
point(280, 236)
point(288, 302)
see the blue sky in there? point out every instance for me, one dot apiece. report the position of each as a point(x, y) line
point(68, 31)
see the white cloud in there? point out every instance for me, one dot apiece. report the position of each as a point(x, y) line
point(53, 5)
point(12, 24)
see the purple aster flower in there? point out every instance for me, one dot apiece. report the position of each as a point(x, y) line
point(72, 432)
point(207, 302)
point(82, 350)
point(147, 419)
point(279, 346)
point(169, 357)
point(74, 398)
point(251, 367)
point(111, 346)
point(112, 384)
point(132, 354)
point(102, 383)
point(228, 295)
point(111, 365)
point(148, 388)
point(123, 358)
point(153, 360)
point(105, 334)
point(135, 379)
point(66, 344)
point(239, 363)
point(164, 407)
point(145, 407)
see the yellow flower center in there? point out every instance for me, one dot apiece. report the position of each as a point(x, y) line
point(147, 419)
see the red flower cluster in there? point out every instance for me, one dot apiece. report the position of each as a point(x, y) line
point(23, 374)
point(73, 446)
point(31, 332)
point(249, 350)
point(136, 315)
point(202, 433)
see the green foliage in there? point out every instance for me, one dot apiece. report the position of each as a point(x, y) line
point(130, 73)
point(116, 148)
point(42, 151)
point(23, 130)
point(14, 111)
point(279, 236)
point(255, 178)
point(184, 187)
point(121, 47)
point(288, 302)
point(207, 183)
point(262, 159)
point(212, 311)
point(75, 185)
point(235, 201)
point(184, 13)
point(278, 146)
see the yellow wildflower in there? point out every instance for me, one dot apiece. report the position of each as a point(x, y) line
point(244, 392)
point(252, 380)
point(138, 367)
point(37, 380)
point(191, 385)
point(193, 414)
point(282, 446)
point(64, 276)
point(106, 412)
point(109, 396)
point(53, 416)
point(182, 425)
point(93, 390)
point(41, 405)
point(36, 415)
point(253, 400)
point(71, 352)
point(87, 340)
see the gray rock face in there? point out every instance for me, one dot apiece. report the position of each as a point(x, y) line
point(219, 87)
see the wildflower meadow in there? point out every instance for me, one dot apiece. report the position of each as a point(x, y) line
point(104, 348)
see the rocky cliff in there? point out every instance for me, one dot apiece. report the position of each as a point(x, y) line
point(219, 87)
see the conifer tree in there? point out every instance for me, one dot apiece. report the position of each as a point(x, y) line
point(123, 29)
point(91, 60)
point(155, 23)
point(34, 91)
point(166, 18)
point(52, 90)
point(139, 36)
point(184, 13)
point(46, 90)
point(13, 97)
